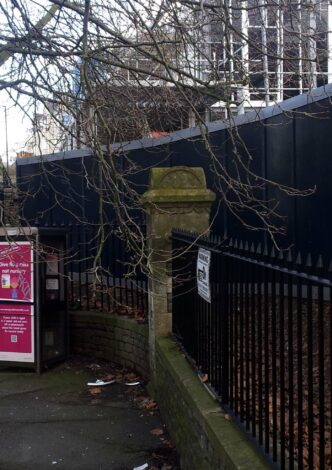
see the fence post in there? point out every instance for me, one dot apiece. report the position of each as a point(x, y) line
point(177, 197)
point(224, 325)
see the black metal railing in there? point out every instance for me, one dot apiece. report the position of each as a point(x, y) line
point(263, 344)
point(114, 284)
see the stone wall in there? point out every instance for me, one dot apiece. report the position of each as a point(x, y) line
point(205, 436)
point(118, 339)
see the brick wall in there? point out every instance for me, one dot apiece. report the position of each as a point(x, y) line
point(118, 339)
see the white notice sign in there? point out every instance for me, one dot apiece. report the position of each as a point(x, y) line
point(203, 270)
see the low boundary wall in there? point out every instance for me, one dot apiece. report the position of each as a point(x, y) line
point(117, 339)
point(204, 434)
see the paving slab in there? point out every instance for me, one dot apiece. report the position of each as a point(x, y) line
point(55, 420)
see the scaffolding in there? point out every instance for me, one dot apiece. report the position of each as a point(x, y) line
point(268, 52)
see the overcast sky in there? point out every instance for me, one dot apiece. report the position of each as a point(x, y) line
point(17, 129)
point(17, 123)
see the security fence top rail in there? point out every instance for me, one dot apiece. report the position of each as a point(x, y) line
point(263, 342)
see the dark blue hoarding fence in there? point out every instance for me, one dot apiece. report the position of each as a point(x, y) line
point(288, 143)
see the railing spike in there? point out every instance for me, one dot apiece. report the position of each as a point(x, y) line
point(246, 246)
point(298, 259)
point(289, 258)
point(252, 248)
point(266, 251)
point(320, 264)
point(241, 245)
point(273, 252)
point(259, 249)
point(308, 262)
point(330, 267)
point(281, 255)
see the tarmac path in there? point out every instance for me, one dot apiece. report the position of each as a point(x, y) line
point(55, 420)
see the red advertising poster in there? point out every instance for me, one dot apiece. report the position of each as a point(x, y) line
point(16, 333)
point(16, 271)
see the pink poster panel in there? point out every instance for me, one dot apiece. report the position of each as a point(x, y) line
point(16, 271)
point(16, 333)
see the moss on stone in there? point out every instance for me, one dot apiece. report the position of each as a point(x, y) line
point(227, 441)
point(177, 185)
point(177, 177)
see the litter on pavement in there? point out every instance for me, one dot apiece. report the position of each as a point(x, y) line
point(142, 467)
point(100, 383)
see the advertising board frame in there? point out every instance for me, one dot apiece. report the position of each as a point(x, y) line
point(19, 236)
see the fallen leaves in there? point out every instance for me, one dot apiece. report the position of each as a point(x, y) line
point(109, 377)
point(157, 432)
point(204, 378)
point(111, 300)
point(150, 405)
point(131, 376)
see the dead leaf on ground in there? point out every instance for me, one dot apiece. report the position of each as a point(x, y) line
point(228, 417)
point(109, 377)
point(131, 377)
point(205, 378)
point(95, 390)
point(150, 405)
point(157, 432)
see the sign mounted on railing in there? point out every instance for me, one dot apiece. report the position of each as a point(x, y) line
point(203, 274)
